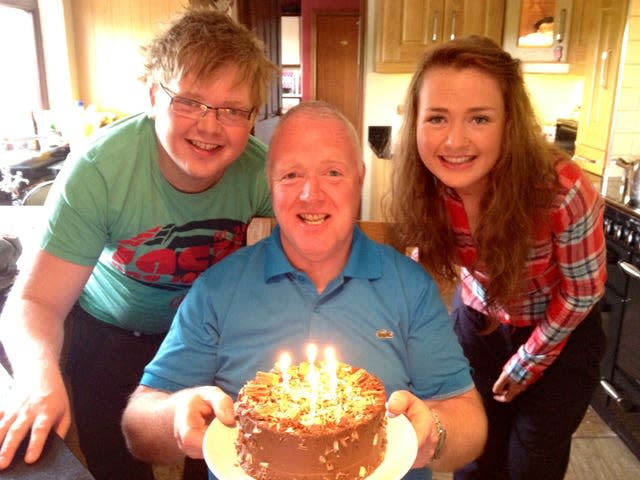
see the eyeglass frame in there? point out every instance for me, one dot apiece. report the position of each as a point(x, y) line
point(204, 108)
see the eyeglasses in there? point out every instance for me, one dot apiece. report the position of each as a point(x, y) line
point(195, 110)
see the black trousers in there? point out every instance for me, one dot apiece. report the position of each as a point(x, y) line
point(530, 437)
point(105, 364)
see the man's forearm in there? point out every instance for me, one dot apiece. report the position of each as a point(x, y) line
point(32, 337)
point(465, 423)
point(147, 424)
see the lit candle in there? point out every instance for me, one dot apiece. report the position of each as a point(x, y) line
point(331, 367)
point(284, 363)
point(313, 398)
point(312, 378)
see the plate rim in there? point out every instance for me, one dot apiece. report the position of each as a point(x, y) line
point(401, 451)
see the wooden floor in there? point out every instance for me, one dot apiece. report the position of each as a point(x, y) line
point(596, 454)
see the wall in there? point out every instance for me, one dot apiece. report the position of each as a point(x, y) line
point(107, 37)
point(626, 134)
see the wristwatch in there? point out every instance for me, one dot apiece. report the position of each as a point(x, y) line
point(442, 436)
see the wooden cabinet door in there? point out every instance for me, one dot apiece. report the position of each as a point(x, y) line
point(601, 74)
point(406, 28)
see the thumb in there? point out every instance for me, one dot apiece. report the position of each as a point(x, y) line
point(222, 406)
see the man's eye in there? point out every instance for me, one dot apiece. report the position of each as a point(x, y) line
point(334, 173)
point(289, 176)
point(186, 102)
point(232, 112)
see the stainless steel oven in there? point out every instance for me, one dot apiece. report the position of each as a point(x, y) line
point(618, 398)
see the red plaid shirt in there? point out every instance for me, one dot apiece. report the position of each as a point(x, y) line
point(566, 272)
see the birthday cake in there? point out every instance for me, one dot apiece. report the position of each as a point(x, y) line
point(312, 423)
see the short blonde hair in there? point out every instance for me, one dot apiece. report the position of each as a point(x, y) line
point(318, 109)
point(200, 42)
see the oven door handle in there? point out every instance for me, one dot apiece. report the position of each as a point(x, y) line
point(629, 269)
point(610, 390)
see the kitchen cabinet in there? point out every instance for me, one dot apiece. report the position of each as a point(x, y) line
point(600, 82)
point(583, 23)
point(406, 28)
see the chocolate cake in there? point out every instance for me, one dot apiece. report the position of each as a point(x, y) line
point(308, 424)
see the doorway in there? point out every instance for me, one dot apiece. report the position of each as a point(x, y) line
point(336, 61)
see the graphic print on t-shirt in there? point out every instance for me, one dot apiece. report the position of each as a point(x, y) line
point(172, 256)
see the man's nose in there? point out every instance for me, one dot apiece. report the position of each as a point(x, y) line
point(311, 189)
point(209, 122)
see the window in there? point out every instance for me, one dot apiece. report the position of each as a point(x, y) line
point(22, 85)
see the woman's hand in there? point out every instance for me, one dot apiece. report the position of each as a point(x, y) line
point(506, 389)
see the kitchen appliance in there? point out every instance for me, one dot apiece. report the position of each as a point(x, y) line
point(617, 400)
point(566, 133)
point(538, 34)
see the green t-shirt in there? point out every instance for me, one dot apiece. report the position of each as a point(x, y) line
point(111, 207)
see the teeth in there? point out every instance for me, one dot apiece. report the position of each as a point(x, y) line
point(204, 146)
point(314, 219)
point(458, 160)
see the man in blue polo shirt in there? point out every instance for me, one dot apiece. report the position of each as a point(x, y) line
point(317, 279)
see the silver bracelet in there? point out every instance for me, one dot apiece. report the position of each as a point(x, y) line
point(442, 436)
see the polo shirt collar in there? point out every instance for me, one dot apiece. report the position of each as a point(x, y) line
point(364, 260)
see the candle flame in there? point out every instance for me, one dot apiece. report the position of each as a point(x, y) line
point(312, 353)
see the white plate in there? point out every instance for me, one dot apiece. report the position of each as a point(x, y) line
point(402, 446)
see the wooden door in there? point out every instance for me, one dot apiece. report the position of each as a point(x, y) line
point(263, 18)
point(336, 61)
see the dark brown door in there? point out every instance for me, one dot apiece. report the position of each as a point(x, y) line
point(336, 52)
point(263, 18)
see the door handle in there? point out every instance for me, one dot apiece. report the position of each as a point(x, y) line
point(629, 269)
point(610, 390)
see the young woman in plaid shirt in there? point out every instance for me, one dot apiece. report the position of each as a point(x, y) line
point(491, 204)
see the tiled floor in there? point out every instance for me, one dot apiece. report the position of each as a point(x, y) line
point(596, 454)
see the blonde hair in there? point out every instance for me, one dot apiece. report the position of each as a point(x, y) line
point(200, 42)
point(521, 188)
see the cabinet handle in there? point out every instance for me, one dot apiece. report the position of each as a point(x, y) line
point(562, 25)
point(584, 159)
point(436, 21)
point(604, 68)
point(454, 17)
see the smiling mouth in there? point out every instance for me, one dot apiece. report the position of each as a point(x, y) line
point(204, 146)
point(457, 160)
point(313, 219)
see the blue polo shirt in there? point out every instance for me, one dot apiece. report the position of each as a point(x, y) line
point(383, 313)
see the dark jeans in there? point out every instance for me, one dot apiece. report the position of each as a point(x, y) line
point(105, 364)
point(530, 437)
